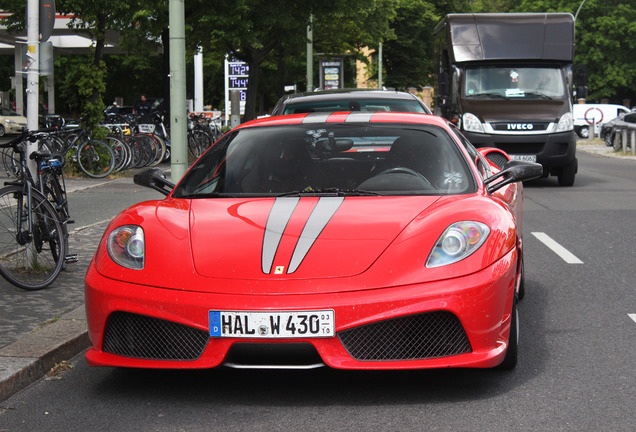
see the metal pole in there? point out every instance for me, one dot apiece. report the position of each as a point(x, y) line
point(310, 55)
point(380, 66)
point(33, 78)
point(178, 120)
point(198, 80)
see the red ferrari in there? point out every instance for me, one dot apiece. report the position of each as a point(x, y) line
point(354, 240)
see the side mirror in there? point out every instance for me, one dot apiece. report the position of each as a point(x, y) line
point(154, 178)
point(513, 171)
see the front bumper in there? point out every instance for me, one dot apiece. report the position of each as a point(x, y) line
point(13, 128)
point(552, 150)
point(479, 304)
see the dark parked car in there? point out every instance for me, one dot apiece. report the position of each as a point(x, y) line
point(350, 100)
point(611, 132)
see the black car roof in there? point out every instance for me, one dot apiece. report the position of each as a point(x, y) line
point(337, 95)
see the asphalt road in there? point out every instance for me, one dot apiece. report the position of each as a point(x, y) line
point(575, 373)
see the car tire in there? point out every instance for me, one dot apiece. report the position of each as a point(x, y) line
point(2, 131)
point(568, 173)
point(522, 281)
point(512, 352)
point(584, 132)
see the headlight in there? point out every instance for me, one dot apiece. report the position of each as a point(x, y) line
point(126, 246)
point(565, 123)
point(459, 240)
point(471, 123)
point(10, 121)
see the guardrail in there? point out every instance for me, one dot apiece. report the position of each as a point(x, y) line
point(627, 132)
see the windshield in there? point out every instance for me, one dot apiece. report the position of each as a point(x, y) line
point(331, 159)
point(8, 113)
point(499, 82)
point(355, 104)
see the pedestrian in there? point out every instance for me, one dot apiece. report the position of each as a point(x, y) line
point(143, 108)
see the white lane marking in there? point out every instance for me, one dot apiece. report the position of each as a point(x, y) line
point(565, 254)
point(632, 316)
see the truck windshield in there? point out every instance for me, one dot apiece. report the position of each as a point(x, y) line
point(505, 82)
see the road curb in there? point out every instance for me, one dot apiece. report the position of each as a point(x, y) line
point(35, 354)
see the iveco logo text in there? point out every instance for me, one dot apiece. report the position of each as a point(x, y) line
point(520, 126)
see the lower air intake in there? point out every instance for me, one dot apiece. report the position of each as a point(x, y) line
point(139, 336)
point(414, 337)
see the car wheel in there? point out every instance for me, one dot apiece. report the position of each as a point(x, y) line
point(567, 174)
point(510, 361)
point(2, 131)
point(584, 132)
point(522, 281)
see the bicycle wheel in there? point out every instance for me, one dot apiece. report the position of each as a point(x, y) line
point(159, 147)
point(95, 159)
point(121, 152)
point(148, 149)
point(54, 192)
point(30, 260)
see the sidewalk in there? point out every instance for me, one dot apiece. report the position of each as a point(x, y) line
point(598, 146)
point(41, 329)
point(45, 328)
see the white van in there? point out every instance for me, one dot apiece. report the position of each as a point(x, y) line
point(586, 114)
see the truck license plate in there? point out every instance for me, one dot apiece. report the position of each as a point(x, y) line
point(272, 325)
point(528, 158)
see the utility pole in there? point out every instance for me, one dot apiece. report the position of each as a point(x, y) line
point(178, 120)
point(33, 76)
point(310, 55)
point(380, 66)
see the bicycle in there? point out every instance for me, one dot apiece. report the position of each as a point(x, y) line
point(94, 158)
point(32, 244)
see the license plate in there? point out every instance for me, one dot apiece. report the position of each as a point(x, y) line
point(146, 128)
point(272, 325)
point(528, 158)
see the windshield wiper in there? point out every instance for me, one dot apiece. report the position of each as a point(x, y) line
point(329, 192)
point(488, 94)
point(539, 94)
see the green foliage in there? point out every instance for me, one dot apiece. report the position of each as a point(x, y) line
point(271, 36)
point(409, 56)
point(605, 42)
point(91, 87)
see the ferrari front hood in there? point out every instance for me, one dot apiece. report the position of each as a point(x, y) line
point(296, 238)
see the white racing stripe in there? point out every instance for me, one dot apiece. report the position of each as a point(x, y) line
point(565, 254)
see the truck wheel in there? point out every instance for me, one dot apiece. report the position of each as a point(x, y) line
point(567, 174)
point(584, 132)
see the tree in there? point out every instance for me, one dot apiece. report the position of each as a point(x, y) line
point(605, 42)
point(408, 58)
point(252, 30)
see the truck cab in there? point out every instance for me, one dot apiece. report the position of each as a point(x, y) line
point(505, 80)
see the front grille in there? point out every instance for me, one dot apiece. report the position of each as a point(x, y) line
point(521, 126)
point(422, 336)
point(521, 147)
point(139, 336)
